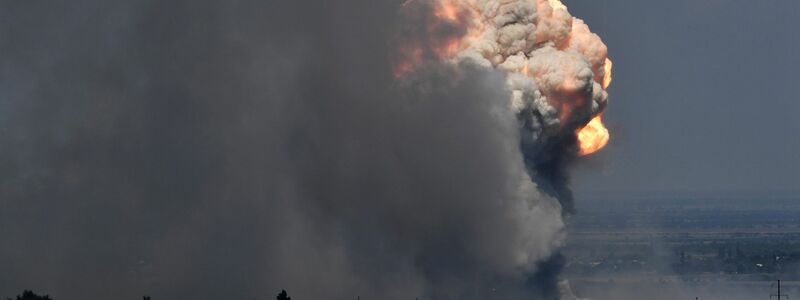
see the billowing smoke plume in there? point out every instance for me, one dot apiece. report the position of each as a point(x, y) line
point(556, 70)
point(206, 149)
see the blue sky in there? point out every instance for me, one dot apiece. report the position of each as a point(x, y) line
point(704, 98)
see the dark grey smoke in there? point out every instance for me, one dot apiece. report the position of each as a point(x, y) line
point(209, 149)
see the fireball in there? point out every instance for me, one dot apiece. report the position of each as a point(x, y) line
point(595, 136)
point(557, 67)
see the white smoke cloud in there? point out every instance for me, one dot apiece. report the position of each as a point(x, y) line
point(561, 62)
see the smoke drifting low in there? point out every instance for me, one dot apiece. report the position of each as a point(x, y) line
point(201, 149)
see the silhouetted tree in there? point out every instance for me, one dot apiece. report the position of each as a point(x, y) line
point(146, 297)
point(30, 295)
point(283, 296)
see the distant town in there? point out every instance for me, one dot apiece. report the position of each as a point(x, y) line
point(715, 247)
point(30, 295)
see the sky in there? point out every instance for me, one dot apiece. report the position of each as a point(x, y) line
point(703, 102)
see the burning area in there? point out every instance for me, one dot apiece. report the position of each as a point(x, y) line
point(558, 70)
point(334, 149)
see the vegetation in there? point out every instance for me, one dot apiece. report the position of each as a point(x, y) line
point(283, 296)
point(30, 295)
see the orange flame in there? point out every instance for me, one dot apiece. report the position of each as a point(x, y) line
point(448, 11)
point(459, 19)
point(593, 137)
point(607, 73)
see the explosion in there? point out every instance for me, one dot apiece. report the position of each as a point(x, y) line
point(593, 137)
point(558, 70)
point(274, 128)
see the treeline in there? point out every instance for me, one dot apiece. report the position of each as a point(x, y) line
point(30, 295)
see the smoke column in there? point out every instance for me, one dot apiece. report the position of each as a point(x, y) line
point(205, 149)
point(556, 70)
